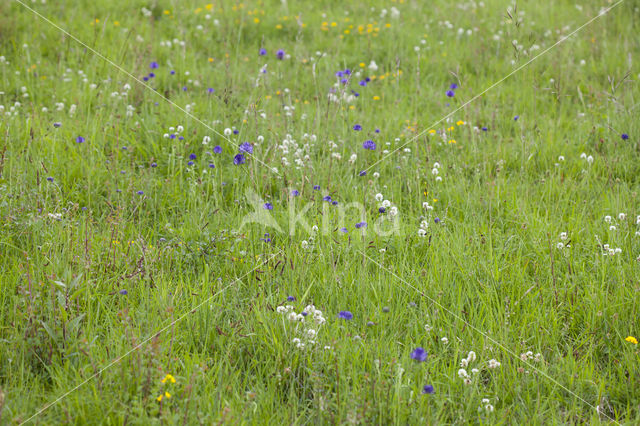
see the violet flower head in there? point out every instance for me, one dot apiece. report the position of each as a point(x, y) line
point(419, 354)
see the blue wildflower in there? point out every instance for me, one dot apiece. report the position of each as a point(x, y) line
point(153, 65)
point(419, 354)
point(212, 166)
point(361, 225)
point(291, 299)
point(262, 51)
point(267, 206)
point(326, 198)
point(246, 147)
point(217, 149)
point(50, 179)
point(280, 54)
point(428, 389)
point(140, 192)
point(192, 156)
point(123, 292)
point(357, 127)
point(453, 86)
point(624, 136)
point(295, 193)
point(369, 144)
point(316, 187)
point(345, 315)
point(450, 93)
point(57, 124)
point(239, 159)
point(79, 139)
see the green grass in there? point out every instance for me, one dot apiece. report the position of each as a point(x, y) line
point(203, 290)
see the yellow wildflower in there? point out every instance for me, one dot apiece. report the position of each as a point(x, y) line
point(168, 377)
point(632, 339)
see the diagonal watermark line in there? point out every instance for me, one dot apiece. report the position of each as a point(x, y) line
point(146, 340)
point(563, 39)
point(494, 341)
point(122, 70)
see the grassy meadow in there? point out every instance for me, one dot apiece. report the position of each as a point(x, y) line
point(306, 212)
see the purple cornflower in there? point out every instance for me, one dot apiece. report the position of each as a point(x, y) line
point(140, 192)
point(357, 127)
point(192, 156)
point(344, 230)
point(210, 90)
point(123, 292)
point(316, 187)
point(262, 51)
point(295, 193)
point(246, 147)
point(347, 71)
point(516, 118)
point(377, 130)
point(50, 179)
point(369, 144)
point(362, 83)
point(334, 203)
point(184, 88)
point(153, 65)
point(339, 74)
point(484, 129)
point(624, 136)
point(236, 131)
point(57, 124)
point(238, 159)
point(361, 225)
point(345, 315)
point(451, 93)
point(172, 72)
point(154, 164)
point(217, 149)
point(362, 173)
point(356, 94)
point(267, 206)
point(280, 54)
point(382, 210)
point(145, 78)
point(291, 299)
point(428, 389)
point(190, 163)
point(326, 198)
point(453, 86)
point(344, 81)
point(79, 139)
point(151, 75)
point(419, 354)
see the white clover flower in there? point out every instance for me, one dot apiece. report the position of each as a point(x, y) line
point(612, 228)
point(464, 363)
point(434, 171)
point(379, 197)
point(590, 159)
point(462, 373)
point(386, 204)
point(376, 175)
point(560, 246)
point(227, 131)
point(373, 66)
point(292, 316)
point(583, 156)
point(471, 356)
point(489, 408)
point(493, 364)
point(475, 371)
point(622, 216)
point(436, 165)
point(304, 244)
point(561, 158)
point(438, 178)
point(281, 309)
point(422, 232)
point(485, 400)
point(393, 211)
point(607, 219)
point(444, 340)
point(467, 381)
point(564, 236)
